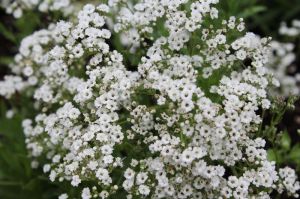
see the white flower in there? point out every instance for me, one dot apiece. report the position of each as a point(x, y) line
point(86, 193)
point(144, 190)
point(63, 196)
point(172, 114)
point(75, 181)
point(129, 174)
point(141, 178)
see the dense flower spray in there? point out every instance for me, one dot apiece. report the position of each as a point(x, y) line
point(183, 122)
point(17, 7)
point(282, 58)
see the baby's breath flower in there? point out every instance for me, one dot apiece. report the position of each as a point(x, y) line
point(172, 125)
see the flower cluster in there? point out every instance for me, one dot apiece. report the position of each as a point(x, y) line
point(281, 62)
point(290, 31)
point(17, 7)
point(184, 123)
point(282, 58)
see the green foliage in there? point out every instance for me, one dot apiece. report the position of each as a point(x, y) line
point(241, 8)
point(7, 33)
point(277, 11)
point(15, 30)
point(283, 150)
point(17, 179)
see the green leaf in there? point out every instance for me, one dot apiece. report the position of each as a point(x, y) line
point(294, 154)
point(252, 11)
point(285, 141)
point(6, 60)
point(271, 155)
point(31, 185)
point(7, 33)
point(27, 24)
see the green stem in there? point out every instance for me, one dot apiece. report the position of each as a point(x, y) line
point(7, 183)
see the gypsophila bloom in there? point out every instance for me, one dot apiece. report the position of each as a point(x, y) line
point(290, 31)
point(282, 60)
point(63, 196)
point(281, 63)
point(17, 7)
point(182, 124)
